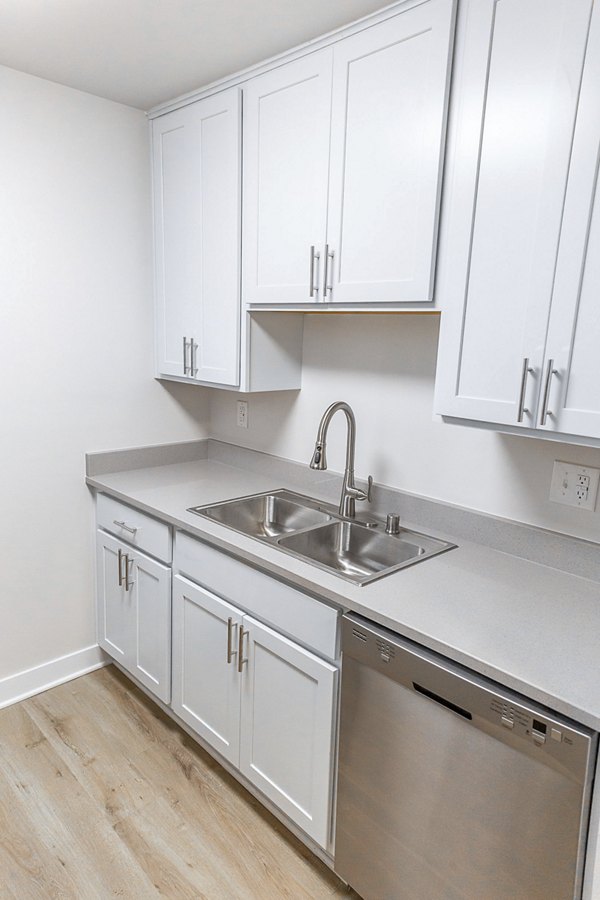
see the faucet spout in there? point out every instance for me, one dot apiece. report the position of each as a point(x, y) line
point(350, 493)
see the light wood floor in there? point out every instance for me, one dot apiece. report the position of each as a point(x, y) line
point(102, 795)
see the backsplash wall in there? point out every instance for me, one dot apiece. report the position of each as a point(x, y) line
point(384, 366)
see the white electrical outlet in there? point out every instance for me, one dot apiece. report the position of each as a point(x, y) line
point(242, 413)
point(574, 485)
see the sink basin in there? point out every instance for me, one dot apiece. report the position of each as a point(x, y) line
point(265, 515)
point(316, 533)
point(357, 552)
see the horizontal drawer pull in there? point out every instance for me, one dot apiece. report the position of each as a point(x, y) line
point(126, 527)
point(133, 526)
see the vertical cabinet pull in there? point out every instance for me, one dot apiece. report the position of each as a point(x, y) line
point(241, 660)
point(123, 563)
point(327, 287)
point(128, 563)
point(314, 280)
point(550, 371)
point(527, 370)
point(230, 651)
point(189, 368)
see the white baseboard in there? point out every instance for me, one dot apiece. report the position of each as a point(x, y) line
point(25, 684)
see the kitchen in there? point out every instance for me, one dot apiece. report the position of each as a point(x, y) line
point(77, 283)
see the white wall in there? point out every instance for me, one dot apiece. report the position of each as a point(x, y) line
point(384, 367)
point(75, 348)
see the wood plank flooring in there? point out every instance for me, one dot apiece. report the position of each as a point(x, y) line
point(102, 795)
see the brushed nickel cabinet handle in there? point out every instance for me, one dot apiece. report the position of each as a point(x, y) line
point(128, 563)
point(527, 370)
point(120, 565)
point(230, 651)
point(193, 366)
point(550, 371)
point(314, 286)
point(128, 528)
point(327, 287)
point(241, 660)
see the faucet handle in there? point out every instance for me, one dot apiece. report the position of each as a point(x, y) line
point(369, 488)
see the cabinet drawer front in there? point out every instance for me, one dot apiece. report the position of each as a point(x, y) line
point(135, 527)
point(308, 621)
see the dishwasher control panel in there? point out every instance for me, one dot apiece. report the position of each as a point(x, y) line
point(538, 729)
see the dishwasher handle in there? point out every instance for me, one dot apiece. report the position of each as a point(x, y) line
point(442, 700)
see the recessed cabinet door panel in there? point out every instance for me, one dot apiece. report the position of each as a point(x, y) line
point(286, 158)
point(288, 700)
point(206, 687)
point(197, 196)
point(388, 118)
point(150, 588)
point(116, 632)
point(177, 233)
point(573, 397)
point(518, 69)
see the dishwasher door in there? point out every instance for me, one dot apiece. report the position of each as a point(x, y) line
point(450, 788)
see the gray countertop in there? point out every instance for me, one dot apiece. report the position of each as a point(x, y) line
point(530, 627)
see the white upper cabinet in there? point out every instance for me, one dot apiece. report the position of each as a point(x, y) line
point(343, 153)
point(388, 114)
point(571, 399)
point(286, 161)
point(516, 84)
point(197, 195)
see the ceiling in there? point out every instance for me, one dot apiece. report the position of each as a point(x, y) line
point(144, 52)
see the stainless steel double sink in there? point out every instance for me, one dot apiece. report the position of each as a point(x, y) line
point(313, 531)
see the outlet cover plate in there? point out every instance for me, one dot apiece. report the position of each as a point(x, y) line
point(574, 485)
point(242, 414)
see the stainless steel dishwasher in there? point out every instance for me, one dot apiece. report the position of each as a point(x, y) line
point(450, 787)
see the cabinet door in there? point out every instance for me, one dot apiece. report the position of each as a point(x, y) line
point(387, 136)
point(134, 613)
point(288, 704)
point(206, 681)
point(286, 157)
point(114, 609)
point(197, 196)
point(149, 587)
point(518, 69)
point(572, 350)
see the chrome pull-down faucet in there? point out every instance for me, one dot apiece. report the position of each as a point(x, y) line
point(350, 493)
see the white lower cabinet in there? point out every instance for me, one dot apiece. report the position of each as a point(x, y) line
point(206, 684)
point(265, 703)
point(287, 718)
point(134, 612)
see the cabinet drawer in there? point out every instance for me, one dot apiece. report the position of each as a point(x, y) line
point(311, 622)
point(135, 527)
